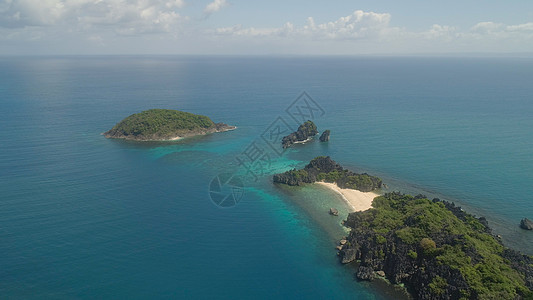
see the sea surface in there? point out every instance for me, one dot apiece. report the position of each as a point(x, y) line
point(85, 217)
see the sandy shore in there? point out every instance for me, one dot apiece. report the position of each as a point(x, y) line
point(357, 200)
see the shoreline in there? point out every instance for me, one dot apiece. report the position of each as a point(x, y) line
point(172, 139)
point(356, 200)
point(304, 141)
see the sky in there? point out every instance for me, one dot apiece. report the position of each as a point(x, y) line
point(252, 27)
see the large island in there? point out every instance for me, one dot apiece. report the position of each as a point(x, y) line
point(433, 247)
point(436, 249)
point(164, 125)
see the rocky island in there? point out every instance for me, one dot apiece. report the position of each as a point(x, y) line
point(325, 136)
point(432, 247)
point(436, 249)
point(526, 224)
point(164, 125)
point(323, 168)
point(305, 131)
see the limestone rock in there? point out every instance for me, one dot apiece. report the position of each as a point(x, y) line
point(325, 136)
point(526, 224)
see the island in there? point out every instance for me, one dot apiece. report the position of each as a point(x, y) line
point(323, 168)
point(325, 136)
point(164, 125)
point(432, 247)
point(304, 133)
point(357, 190)
point(436, 249)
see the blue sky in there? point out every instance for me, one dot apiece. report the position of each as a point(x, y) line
point(265, 27)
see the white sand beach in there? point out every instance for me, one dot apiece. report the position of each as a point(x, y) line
point(357, 200)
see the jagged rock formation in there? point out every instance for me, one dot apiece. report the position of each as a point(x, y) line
point(436, 249)
point(323, 168)
point(164, 124)
point(526, 224)
point(325, 136)
point(304, 132)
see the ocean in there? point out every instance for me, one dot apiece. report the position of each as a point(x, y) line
point(82, 216)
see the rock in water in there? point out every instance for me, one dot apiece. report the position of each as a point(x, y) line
point(526, 224)
point(304, 132)
point(325, 136)
point(333, 211)
point(348, 255)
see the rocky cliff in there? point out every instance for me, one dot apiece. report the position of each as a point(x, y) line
point(325, 136)
point(436, 249)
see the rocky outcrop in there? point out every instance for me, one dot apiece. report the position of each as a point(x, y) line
point(414, 241)
point(325, 136)
point(323, 168)
point(526, 224)
point(304, 132)
point(365, 273)
point(222, 127)
point(348, 255)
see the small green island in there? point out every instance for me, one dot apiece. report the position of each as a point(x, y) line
point(323, 168)
point(164, 125)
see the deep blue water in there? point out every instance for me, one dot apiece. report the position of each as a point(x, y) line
point(86, 217)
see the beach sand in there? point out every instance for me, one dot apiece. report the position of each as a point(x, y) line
point(357, 200)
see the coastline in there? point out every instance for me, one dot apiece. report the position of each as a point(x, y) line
point(177, 138)
point(171, 139)
point(304, 141)
point(356, 200)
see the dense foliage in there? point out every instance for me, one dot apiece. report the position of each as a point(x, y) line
point(323, 168)
point(437, 249)
point(160, 122)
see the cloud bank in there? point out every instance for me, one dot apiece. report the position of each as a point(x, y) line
point(138, 23)
point(124, 17)
point(374, 31)
point(358, 25)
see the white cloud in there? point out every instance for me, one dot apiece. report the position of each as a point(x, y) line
point(135, 16)
point(215, 6)
point(373, 30)
point(123, 25)
point(440, 32)
point(358, 25)
point(486, 29)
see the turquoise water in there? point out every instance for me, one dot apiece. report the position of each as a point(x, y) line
point(86, 217)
